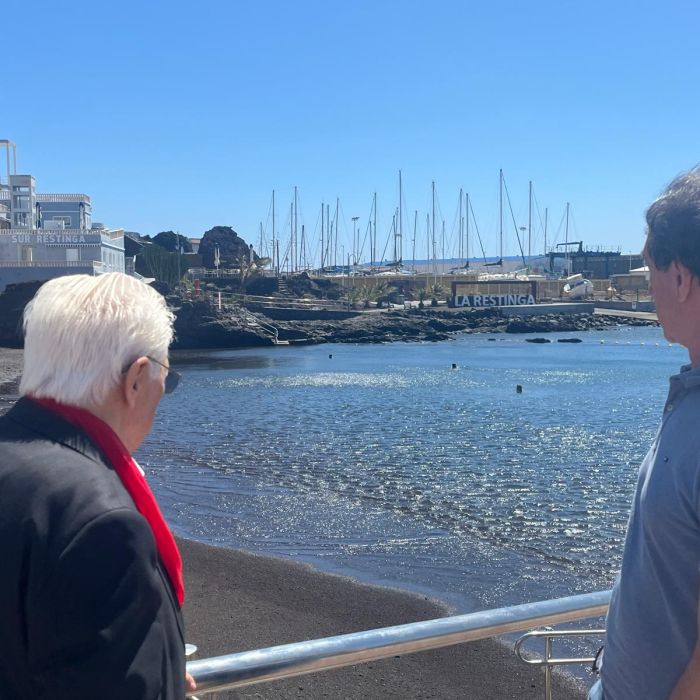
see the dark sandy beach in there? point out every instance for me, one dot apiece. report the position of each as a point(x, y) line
point(238, 601)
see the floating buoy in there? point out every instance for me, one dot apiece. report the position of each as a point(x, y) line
point(330, 357)
point(518, 388)
point(454, 365)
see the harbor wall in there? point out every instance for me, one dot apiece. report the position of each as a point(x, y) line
point(583, 307)
point(282, 314)
point(627, 305)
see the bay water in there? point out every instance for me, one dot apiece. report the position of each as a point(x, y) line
point(385, 463)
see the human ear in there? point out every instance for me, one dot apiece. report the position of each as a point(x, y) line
point(133, 380)
point(684, 281)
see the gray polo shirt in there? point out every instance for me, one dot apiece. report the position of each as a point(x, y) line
point(653, 618)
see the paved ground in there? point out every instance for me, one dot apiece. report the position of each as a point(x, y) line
point(644, 315)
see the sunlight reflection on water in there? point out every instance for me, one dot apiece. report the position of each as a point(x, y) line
point(387, 462)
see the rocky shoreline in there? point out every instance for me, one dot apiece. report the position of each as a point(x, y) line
point(436, 325)
point(200, 324)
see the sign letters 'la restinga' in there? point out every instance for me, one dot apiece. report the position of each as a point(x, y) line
point(494, 299)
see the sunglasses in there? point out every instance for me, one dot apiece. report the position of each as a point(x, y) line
point(172, 378)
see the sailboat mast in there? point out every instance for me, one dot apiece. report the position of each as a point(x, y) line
point(415, 229)
point(400, 217)
point(323, 208)
point(529, 225)
point(396, 236)
point(500, 209)
point(374, 226)
point(434, 262)
point(275, 268)
point(568, 272)
point(296, 240)
point(330, 234)
point(291, 238)
point(443, 244)
point(467, 230)
point(427, 236)
point(335, 254)
point(460, 252)
point(545, 230)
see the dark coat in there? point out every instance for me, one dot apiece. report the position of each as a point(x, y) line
point(87, 611)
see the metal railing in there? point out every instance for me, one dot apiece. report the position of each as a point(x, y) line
point(267, 328)
point(291, 303)
point(548, 660)
point(289, 660)
point(278, 302)
point(94, 264)
point(5, 195)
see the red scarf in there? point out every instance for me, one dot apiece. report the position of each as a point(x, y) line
point(132, 479)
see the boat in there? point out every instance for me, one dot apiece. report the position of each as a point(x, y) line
point(577, 287)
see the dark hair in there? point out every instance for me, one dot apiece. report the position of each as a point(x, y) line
point(673, 224)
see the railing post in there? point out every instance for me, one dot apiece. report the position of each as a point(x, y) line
point(548, 668)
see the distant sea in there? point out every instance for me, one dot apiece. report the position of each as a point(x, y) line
point(384, 463)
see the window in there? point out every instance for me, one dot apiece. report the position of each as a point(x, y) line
point(72, 254)
point(26, 253)
point(20, 188)
point(21, 201)
point(65, 219)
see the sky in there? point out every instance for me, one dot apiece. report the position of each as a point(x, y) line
point(182, 116)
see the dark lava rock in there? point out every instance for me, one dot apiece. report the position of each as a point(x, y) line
point(199, 324)
point(569, 340)
point(12, 303)
point(537, 340)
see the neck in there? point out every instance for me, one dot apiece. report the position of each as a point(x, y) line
point(694, 358)
point(114, 416)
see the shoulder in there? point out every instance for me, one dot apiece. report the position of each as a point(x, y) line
point(53, 480)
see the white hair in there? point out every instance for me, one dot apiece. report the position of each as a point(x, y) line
point(81, 332)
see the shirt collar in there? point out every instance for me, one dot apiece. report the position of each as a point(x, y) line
point(688, 377)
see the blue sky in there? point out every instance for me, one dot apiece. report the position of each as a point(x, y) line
point(186, 115)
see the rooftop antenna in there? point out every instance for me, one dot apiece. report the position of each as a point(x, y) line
point(10, 169)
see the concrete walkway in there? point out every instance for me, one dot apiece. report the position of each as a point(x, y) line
point(644, 315)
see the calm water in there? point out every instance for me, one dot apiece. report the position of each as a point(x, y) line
point(384, 463)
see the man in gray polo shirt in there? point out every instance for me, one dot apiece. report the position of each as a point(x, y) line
point(652, 650)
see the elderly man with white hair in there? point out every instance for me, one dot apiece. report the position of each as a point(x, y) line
point(90, 577)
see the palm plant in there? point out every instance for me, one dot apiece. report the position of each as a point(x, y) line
point(248, 269)
point(436, 290)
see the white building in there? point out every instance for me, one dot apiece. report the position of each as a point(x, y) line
point(47, 235)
